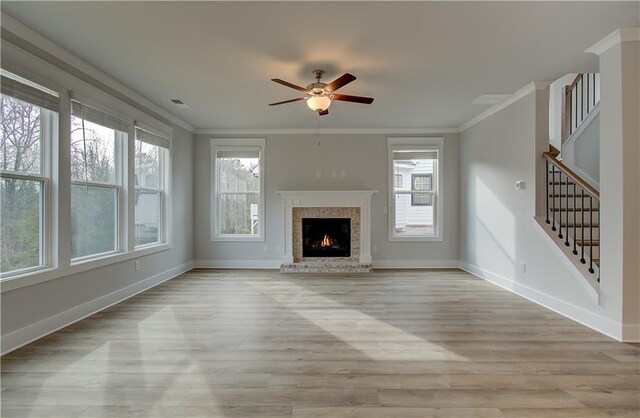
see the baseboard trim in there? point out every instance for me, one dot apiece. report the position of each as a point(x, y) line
point(23, 336)
point(415, 264)
point(237, 264)
point(275, 264)
point(589, 319)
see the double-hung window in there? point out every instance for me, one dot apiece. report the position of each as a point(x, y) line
point(98, 158)
point(151, 167)
point(238, 183)
point(29, 128)
point(415, 202)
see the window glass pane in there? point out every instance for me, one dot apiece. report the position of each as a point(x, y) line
point(412, 220)
point(414, 212)
point(147, 217)
point(147, 165)
point(93, 220)
point(238, 174)
point(239, 214)
point(21, 132)
point(100, 146)
point(20, 224)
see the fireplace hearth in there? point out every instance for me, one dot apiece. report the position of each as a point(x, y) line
point(326, 237)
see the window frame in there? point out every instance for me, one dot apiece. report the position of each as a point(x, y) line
point(57, 162)
point(236, 144)
point(164, 187)
point(49, 123)
point(416, 144)
point(122, 144)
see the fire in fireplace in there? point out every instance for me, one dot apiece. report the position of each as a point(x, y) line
point(326, 237)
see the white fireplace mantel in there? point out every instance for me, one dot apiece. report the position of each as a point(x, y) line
point(328, 199)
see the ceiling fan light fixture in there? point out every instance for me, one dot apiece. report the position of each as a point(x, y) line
point(318, 103)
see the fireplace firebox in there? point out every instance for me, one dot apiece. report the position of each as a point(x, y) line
point(326, 237)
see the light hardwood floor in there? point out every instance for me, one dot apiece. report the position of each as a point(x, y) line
point(437, 343)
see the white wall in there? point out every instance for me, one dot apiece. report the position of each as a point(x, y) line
point(291, 164)
point(498, 230)
point(619, 178)
point(581, 152)
point(32, 311)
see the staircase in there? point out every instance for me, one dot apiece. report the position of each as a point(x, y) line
point(572, 204)
point(573, 212)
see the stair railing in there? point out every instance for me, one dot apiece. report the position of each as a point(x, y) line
point(574, 188)
point(580, 97)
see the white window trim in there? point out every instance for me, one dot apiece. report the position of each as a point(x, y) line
point(164, 188)
point(57, 260)
point(427, 143)
point(229, 144)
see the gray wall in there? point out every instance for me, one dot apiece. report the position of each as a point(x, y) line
point(497, 221)
point(27, 306)
point(291, 164)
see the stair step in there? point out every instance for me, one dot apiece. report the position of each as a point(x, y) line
point(560, 183)
point(594, 242)
point(577, 195)
point(596, 261)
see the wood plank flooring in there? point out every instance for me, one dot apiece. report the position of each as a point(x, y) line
point(214, 343)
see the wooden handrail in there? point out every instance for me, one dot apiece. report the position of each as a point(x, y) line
point(575, 82)
point(573, 176)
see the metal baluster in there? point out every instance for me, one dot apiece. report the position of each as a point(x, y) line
point(546, 176)
point(560, 205)
point(591, 234)
point(582, 260)
point(553, 202)
point(566, 216)
point(575, 213)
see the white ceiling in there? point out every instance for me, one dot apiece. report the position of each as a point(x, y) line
point(424, 62)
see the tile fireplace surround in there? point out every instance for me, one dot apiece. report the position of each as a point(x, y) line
point(353, 204)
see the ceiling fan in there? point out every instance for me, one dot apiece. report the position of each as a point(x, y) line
point(319, 95)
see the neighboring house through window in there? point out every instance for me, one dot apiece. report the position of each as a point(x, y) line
point(415, 204)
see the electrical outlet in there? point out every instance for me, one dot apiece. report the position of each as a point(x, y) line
point(265, 248)
point(523, 267)
point(136, 265)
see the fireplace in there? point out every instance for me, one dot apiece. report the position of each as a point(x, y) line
point(326, 237)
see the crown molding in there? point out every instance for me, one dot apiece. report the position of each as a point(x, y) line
point(327, 131)
point(613, 39)
point(37, 45)
point(523, 92)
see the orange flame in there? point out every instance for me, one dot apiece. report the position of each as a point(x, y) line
point(326, 241)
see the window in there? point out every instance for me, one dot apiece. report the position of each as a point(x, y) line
point(28, 126)
point(421, 182)
point(98, 141)
point(151, 162)
point(238, 183)
point(397, 181)
point(415, 209)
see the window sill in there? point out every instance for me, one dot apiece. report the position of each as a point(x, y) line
point(51, 273)
point(434, 238)
point(236, 238)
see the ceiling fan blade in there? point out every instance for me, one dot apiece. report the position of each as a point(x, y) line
point(293, 86)
point(354, 99)
point(340, 81)
point(324, 112)
point(287, 101)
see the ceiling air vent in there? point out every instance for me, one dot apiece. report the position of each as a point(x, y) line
point(179, 103)
point(490, 99)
